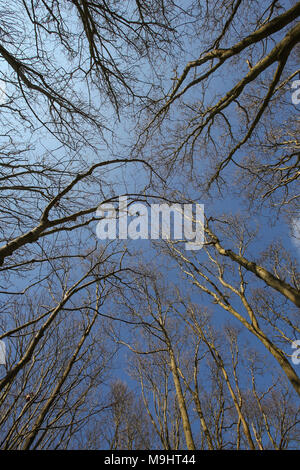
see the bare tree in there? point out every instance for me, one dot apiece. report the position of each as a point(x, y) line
point(228, 95)
point(101, 99)
point(225, 283)
point(53, 391)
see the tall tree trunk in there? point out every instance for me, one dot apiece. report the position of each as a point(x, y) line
point(181, 402)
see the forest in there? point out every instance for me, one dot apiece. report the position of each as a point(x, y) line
point(149, 225)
